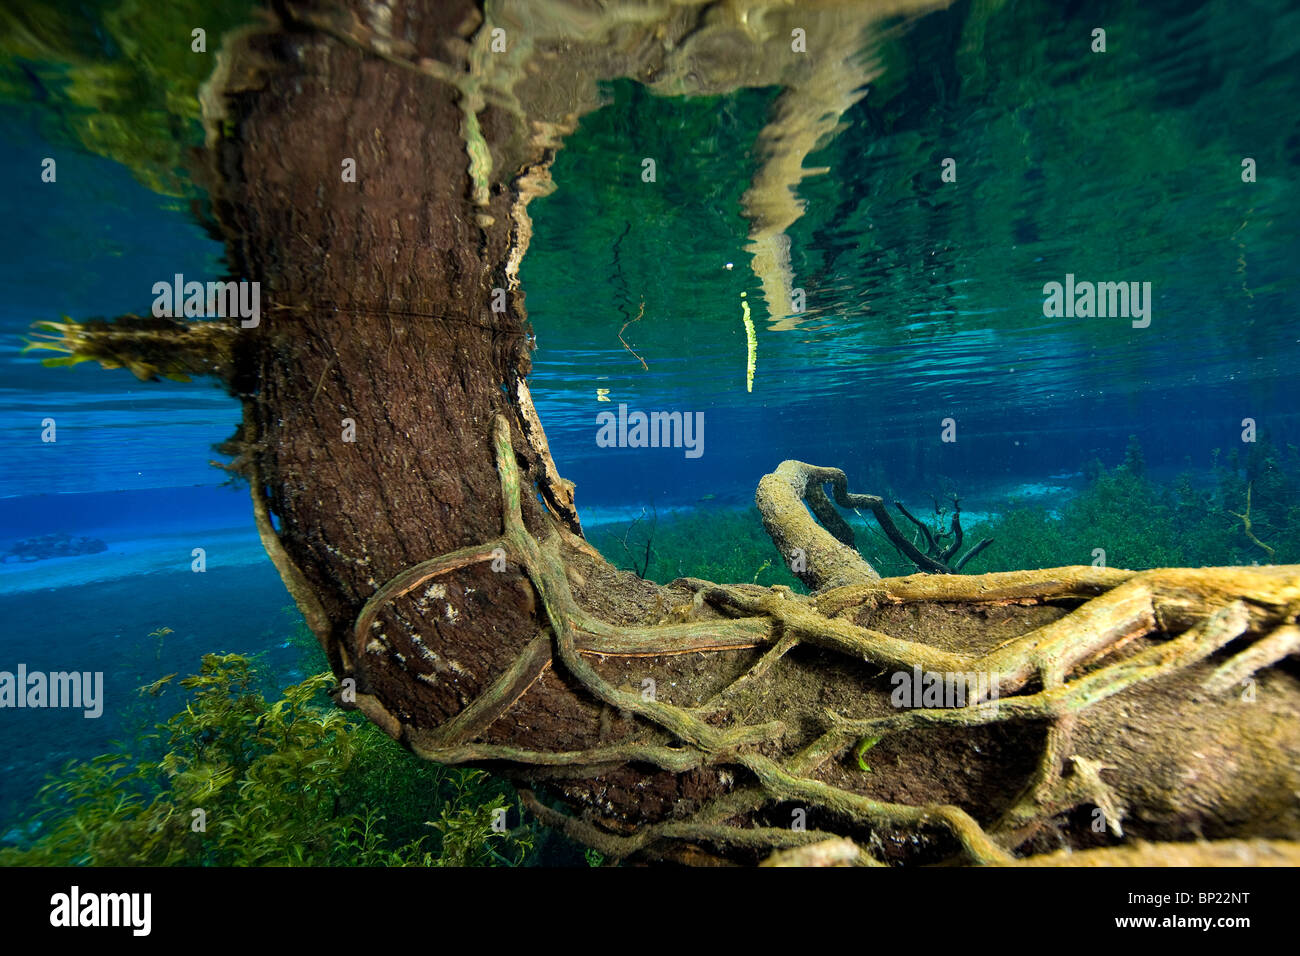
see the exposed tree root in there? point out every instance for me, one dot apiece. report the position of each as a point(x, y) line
point(821, 560)
point(1216, 853)
point(1061, 664)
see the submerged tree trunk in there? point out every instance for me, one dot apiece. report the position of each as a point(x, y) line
point(403, 488)
point(373, 384)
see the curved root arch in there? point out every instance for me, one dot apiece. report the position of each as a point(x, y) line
point(822, 555)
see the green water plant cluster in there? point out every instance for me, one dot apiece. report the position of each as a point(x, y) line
point(236, 779)
point(1243, 510)
point(1195, 520)
point(714, 544)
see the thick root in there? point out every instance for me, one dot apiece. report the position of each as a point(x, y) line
point(1052, 676)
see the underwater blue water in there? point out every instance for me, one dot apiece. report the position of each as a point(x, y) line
point(924, 305)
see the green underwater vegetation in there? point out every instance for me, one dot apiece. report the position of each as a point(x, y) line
point(1245, 510)
point(1141, 523)
point(716, 545)
point(237, 779)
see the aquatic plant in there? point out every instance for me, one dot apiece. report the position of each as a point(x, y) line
point(54, 545)
point(1143, 524)
point(751, 345)
point(1124, 518)
point(717, 544)
point(234, 779)
point(860, 751)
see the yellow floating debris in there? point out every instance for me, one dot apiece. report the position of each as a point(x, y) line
point(752, 339)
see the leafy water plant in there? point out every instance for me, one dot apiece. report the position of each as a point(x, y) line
point(234, 779)
point(1198, 519)
point(860, 751)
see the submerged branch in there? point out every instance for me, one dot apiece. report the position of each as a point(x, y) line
point(151, 347)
